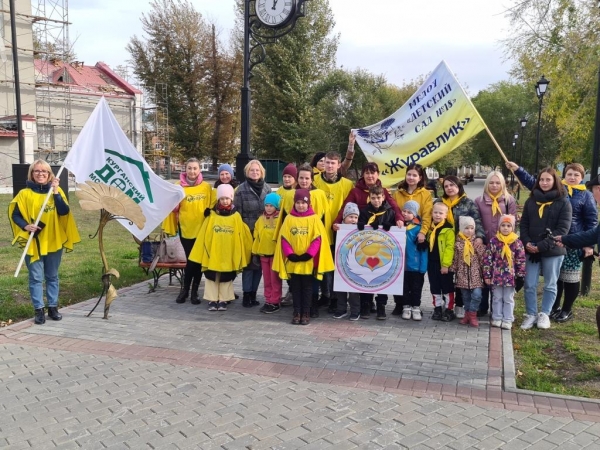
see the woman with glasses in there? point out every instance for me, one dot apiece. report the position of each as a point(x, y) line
point(55, 231)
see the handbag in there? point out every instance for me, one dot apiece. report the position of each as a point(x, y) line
point(170, 251)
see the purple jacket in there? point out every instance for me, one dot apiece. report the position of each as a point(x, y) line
point(496, 268)
point(490, 223)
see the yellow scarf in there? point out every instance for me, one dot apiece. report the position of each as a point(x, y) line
point(542, 206)
point(469, 249)
point(432, 234)
point(374, 216)
point(577, 187)
point(451, 204)
point(495, 205)
point(507, 240)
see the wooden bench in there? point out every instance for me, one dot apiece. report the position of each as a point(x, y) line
point(174, 270)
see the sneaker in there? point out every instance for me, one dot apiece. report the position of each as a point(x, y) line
point(416, 313)
point(222, 306)
point(528, 322)
point(406, 312)
point(340, 315)
point(496, 323)
point(459, 312)
point(555, 313)
point(506, 325)
point(437, 313)
point(563, 317)
point(268, 308)
point(213, 306)
point(287, 300)
point(354, 316)
point(543, 321)
point(448, 316)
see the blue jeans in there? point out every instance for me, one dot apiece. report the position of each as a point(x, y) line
point(251, 280)
point(471, 299)
point(44, 268)
point(550, 271)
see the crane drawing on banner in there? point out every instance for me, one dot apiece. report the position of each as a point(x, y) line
point(383, 137)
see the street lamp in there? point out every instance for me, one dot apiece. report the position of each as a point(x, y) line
point(523, 123)
point(596, 145)
point(540, 89)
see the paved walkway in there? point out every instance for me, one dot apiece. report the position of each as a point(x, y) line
point(161, 375)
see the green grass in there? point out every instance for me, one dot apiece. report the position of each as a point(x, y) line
point(80, 270)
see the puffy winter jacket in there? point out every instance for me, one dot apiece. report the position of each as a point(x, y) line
point(250, 205)
point(467, 277)
point(415, 258)
point(467, 207)
point(496, 268)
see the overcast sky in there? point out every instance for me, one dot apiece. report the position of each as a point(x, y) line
point(400, 39)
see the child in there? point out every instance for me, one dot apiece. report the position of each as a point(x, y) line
point(377, 213)
point(467, 265)
point(286, 193)
point(264, 246)
point(504, 271)
point(441, 253)
point(350, 216)
point(415, 263)
point(302, 254)
point(222, 248)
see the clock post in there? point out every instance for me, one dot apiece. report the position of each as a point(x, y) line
point(265, 21)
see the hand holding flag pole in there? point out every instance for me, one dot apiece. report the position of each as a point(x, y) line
point(502, 154)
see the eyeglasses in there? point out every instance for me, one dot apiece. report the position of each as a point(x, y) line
point(40, 171)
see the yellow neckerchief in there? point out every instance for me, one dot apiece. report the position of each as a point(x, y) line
point(577, 187)
point(507, 240)
point(495, 205)
point(432, 233)
point(469, 249)
point(542, 206)
point(374, 216)
point(451, 204)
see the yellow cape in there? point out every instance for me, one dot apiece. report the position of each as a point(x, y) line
point(191, 211)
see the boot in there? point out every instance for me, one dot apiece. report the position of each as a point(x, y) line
point(332, 306)
point(247, 300)
point(53, 313)
point(466, 319)
point(40, 316)
point(365, 310)
point(296, 318)
point(381, 312)
point(474, 322)
point(194, 297)
point(314, 307)
point(305, 320)
point(253, 301)
point(183, 295)
point(398, 309)
point(372, 307)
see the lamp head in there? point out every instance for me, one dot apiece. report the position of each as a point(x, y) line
point(524, 119)
point(542, 85)
point(516, 135)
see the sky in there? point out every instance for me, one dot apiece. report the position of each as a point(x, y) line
point(401, 39)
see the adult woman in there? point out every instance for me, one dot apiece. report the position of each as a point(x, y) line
point(225, 172)
point(413, 188)
point(492, 204)
point(459, 204)
point(186, 220)
point(584, 218)
point(55, 231)
point(318, 163)
point(249, 201)
point(547, 208)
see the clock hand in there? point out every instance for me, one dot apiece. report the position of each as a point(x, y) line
point(274, 4)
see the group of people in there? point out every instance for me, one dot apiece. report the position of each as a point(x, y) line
point(469, 248)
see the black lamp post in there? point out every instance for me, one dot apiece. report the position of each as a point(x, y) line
point(265, 21)
point(596, 145)
point(540, 89)
point(523, 123)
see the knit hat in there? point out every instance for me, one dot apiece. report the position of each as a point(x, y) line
point(464, 222)
point(291, 169)
point(351, 208)
point(318, 157)
point(224, 190)
point(225, 168)
point(507, 218)
point(412, 206)
point(302, 194)
point(273, 199)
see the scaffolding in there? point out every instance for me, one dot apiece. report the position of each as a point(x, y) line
point(156, 143)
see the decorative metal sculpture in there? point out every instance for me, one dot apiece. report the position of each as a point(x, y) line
point(112, 204)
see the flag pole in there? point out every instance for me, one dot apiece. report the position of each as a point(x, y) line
point(501, 153)
point(39, 217)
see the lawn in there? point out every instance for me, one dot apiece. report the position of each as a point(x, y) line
point(80, 270)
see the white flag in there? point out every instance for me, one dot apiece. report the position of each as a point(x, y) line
point(102, 153)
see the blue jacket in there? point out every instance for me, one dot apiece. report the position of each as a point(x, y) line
point(415, 259)
point(582, 239)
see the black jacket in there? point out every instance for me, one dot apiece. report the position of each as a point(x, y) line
point(388, 218)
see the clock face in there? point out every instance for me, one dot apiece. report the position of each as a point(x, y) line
point(274, 13)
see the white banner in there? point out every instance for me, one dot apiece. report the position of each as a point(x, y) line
point(102, 153)
point(369, 261)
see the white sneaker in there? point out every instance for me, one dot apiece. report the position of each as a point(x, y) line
point(459, 311)
point(528, 322)
point(543, 321)
point(416, 314)
point(406, 311)
point(506, 325)
point(496, 323)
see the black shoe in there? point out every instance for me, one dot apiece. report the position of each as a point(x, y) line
point(340, 314)
point(448, 316)
point(253, 301)
point(397, 310)
point(53, 313)
point(555, 313)
point(482, 313)
point(564, 316)
point(269, 308)
point(437, 313)
point(332, 306)
point(354, 317)
point(236, 296)
point(246, 301)
point(381, 312)
point(183, 295)
point(194, 296)
point(40, 316)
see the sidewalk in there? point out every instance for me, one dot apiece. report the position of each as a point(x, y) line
point(162, 375)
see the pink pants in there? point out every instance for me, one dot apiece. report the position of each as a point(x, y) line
point(271, 280)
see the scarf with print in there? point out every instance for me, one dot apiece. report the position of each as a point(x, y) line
point(451, 204)
point(506, 241)
point(469, 249)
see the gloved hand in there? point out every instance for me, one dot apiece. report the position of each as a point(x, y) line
point(207, 212)
point(386, 226)
point(375, 226)
point(519, 283)
point(423, 246)
point(294, 258)
point(360, 226)
point(304, 257)
point(535, 258)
